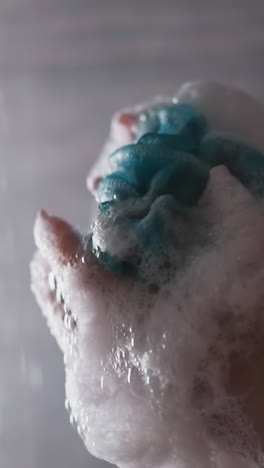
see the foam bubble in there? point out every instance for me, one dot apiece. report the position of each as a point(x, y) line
point(163, 370)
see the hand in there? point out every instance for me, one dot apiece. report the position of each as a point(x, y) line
point(164, 375)
point(146, 367)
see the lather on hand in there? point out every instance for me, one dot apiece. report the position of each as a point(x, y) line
point(158, 310)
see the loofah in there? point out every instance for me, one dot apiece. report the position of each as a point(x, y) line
point(158, 309)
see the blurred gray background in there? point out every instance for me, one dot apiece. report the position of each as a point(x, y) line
point(65, 67)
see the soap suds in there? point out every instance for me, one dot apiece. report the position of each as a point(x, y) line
point(150, 364)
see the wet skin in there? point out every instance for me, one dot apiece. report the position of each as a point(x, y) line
point(169, 371)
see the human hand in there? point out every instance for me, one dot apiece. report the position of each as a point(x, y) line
point(161, 374)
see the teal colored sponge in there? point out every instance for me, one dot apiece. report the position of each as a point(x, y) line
point(166, 168)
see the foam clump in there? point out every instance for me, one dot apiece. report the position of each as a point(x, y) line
point(158, 311)
point(155, 183)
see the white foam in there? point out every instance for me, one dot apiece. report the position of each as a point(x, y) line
point(179, 350)
point(227, 109)
point(149, 384)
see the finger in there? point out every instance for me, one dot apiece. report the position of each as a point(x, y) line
point(56, 239)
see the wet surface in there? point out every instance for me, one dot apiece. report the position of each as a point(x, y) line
point(65, 67)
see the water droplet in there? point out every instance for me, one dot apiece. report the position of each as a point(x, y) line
point(66, 321)
point(83, 259)
point(164, 336)
point(175, 100)
point(102, 382)
point(52, 281)
point(66, 309)
point(69, 322)
point(142, 117)
point(71, 418)
point(59, 296)
point(163, 346)
point(129, 375)
point(75, 318)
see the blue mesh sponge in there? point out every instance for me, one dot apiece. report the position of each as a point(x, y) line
point(167, 167)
